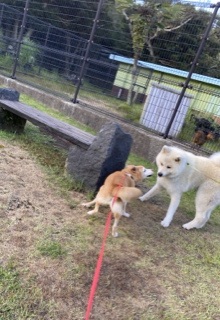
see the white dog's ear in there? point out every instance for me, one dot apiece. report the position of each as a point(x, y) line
point(177, 159)
point(165, 149)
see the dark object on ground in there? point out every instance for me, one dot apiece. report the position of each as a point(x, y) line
point(107, 153)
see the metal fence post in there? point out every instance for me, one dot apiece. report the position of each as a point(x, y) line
point(74, 100)
point(199, 51)
point(1, 15)
point(19, 41)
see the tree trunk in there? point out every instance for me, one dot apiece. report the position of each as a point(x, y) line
point(150, 48)
point(135, 96)
point(133, 74)
point(29, 33)
point(16, 26)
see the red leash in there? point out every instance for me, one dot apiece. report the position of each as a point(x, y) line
point(99, 261)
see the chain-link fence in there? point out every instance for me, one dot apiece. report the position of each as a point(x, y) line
point(89, 51)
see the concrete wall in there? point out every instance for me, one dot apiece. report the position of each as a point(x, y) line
point(144, 144)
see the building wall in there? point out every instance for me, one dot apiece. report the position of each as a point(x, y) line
point(206, 96)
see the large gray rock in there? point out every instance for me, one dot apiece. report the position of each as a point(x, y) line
point(9, 94)
point(107, 153)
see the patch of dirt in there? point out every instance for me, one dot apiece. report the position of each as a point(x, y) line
point(29, 208)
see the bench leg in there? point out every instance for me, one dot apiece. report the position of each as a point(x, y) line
point(11, 122)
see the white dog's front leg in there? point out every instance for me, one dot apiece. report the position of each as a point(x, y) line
point(175, 200)
point(152, 192)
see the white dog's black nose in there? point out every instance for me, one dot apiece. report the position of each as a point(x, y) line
point(160, 174)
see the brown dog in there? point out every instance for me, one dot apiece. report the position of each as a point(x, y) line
point(200, 137)
point(110, 192)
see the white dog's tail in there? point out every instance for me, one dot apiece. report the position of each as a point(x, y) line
point(215, 157)
point(128, 193)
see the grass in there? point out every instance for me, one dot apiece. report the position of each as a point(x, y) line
point(87, 93)
point(51, 159)
point(93, 95)
point(51, 249)
point(148, 273)
point(18, 299)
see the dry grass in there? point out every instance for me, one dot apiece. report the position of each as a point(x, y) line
point(49, 247)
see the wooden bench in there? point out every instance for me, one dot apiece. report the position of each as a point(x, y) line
point(50, 124)
point(90, 159)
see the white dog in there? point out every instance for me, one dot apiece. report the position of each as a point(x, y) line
point(180, 171)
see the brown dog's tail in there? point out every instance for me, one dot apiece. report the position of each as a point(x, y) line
point(128, 193)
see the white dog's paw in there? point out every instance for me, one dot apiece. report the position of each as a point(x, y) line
point(126, 214)
point(141, 198)
point(90, 212)
point(165, 223)
point(188, 226)
point(115, 234)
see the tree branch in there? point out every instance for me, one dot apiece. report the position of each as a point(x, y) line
point(177, 27)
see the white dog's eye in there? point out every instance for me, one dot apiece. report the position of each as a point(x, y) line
point(168, 167)
point(161, 164)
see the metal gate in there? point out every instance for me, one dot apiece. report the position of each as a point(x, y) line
point(159, 106)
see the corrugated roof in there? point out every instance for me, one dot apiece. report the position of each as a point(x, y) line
point(157, 67)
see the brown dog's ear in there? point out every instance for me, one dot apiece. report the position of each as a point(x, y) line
point(177, 159)
point(130, 166)
point(134, 169)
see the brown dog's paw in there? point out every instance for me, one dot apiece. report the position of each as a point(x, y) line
point(84, 204)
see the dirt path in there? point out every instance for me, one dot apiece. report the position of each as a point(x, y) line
point(31, 213)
